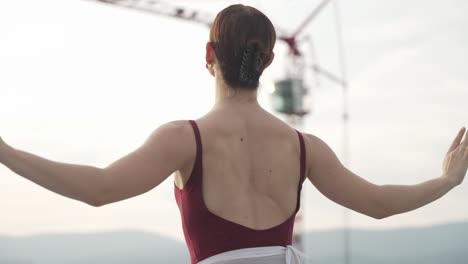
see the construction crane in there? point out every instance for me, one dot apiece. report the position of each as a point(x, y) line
point(163, 9)
point(289, 94)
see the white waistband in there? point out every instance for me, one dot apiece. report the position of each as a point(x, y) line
point(291, 254)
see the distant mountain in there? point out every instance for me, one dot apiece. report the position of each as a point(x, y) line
point(103, 248)
point(441, 244)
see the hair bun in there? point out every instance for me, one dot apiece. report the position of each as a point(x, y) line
point(245, 39)
point(250, 68)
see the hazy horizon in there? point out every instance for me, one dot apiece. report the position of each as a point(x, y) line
point(86, 83)
point(409, 245)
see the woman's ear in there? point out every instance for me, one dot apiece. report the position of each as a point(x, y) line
point(210, 55)
point(272, 56)
point(210, 58)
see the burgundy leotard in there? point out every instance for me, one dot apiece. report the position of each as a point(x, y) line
point(207, 234)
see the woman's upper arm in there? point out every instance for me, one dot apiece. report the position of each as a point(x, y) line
point(339, 184)
point(165, 151)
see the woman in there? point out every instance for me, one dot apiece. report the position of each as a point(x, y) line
point(239, 169)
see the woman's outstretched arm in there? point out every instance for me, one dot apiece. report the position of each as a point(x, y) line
point(344, 187)
point(165, 151)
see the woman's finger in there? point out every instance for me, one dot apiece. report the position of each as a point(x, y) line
point(466, 151)
point(457, 139)
point(465, 140)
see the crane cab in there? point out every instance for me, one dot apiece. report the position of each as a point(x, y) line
point(289, 97)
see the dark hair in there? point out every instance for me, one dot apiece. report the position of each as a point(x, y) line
point(243, 39)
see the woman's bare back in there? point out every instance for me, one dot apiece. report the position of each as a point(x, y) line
point(251, 166)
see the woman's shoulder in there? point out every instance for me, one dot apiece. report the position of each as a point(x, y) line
point(177, 133)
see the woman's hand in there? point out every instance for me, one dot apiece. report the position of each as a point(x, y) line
point(456, 161)
point(3, 148)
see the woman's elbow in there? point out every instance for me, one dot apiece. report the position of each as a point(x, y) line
point(99, 194)
point(382, 212)
point(95, 203)
point(97, 198)
point(381, 215)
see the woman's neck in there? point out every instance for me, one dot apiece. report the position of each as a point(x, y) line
point(226, 95)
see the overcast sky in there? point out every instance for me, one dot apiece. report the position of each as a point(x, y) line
point(86, 83)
